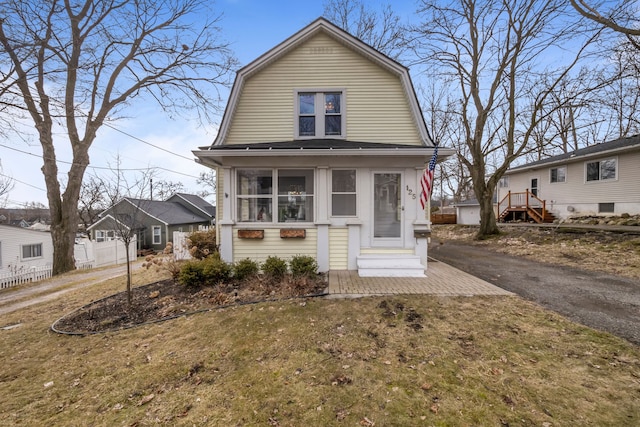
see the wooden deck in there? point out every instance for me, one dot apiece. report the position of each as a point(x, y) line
point(524, 206)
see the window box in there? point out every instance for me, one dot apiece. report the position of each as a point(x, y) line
point(251, 234)
point(293, 233)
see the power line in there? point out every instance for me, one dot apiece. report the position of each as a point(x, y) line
point(22, 182)
point(148, 143)
point(109, 168)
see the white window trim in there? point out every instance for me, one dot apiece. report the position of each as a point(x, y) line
point(331, 193)
point(320, 112)
point(586, 170)
point(565, 174)
point(274, 198)
point(22, 257)
point(503, 182)
point(153, 235)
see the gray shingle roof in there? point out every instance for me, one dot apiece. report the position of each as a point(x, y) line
point(312, 144)
point(167, 212)
point(620, 144)
point(198, 202)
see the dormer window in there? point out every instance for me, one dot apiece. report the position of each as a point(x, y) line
point(320, 114)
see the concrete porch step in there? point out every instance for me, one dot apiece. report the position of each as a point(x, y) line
point(389, 265)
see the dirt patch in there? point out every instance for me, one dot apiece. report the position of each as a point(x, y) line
point(166, 299)
point(611, 252)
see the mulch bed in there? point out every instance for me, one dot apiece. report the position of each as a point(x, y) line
point(166, 299)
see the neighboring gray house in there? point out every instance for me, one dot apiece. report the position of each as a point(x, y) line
point(21, 249)
point(153, 221)
point(602, 179)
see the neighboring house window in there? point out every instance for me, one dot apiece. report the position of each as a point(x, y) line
point(293, 194)
point(157, 237)
point(559, 174)
point(601, 170)
point(32, 251)
point(105, 235)
point(320, 114)
point(343, 192)
point(504, 182)
point(606, 207)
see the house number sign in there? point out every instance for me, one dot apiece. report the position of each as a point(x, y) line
point(411, 193)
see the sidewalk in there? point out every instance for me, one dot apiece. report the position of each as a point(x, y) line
point(13, 299)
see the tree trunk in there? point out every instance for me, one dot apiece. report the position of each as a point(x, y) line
point(488, 225)
point(63, 242)
point(128, 256)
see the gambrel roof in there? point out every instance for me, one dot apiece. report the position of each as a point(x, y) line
point(321, 25)
point(614, 147)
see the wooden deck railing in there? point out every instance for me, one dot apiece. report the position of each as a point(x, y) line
point(526, 201)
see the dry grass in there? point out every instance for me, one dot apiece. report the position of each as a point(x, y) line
point(380, 361)
point(608, 252)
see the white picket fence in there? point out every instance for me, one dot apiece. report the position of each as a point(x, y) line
point(88, 255)
point(9, 279)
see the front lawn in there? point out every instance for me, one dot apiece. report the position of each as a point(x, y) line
point(382, 361)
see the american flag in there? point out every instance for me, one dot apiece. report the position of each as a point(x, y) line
point(427, 179)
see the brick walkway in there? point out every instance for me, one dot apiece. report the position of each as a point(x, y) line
point(442, 279)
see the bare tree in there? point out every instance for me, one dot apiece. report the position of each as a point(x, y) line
point(381, 30)
point(6, 184)
point(491, 49)
point(620, 17)
point(163, 189)
point(208, 182)
point(92, 200)
point(72, 66)
point(124, 200)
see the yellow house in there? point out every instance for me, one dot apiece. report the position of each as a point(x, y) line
point(320, 152)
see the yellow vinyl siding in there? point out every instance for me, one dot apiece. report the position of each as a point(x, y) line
point(375, 104)
point(338, 248)
point(259, 249)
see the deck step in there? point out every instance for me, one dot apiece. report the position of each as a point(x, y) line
point(389, 265)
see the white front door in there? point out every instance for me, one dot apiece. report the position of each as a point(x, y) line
point(387, 209)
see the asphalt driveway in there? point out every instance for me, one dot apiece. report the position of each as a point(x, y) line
point(598, 300)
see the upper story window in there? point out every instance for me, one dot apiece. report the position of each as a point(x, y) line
point(32, 251)
point(601, 170)
point(504, 182)
point(320, 114)
point(558, 174)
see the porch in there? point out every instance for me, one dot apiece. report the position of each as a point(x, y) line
point(524, 206)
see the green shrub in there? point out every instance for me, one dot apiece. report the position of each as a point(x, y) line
point(303, 265)
point(202, 243)
point(191, 273)
point(215, 270)
point(274, 267)
point(245, 268)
